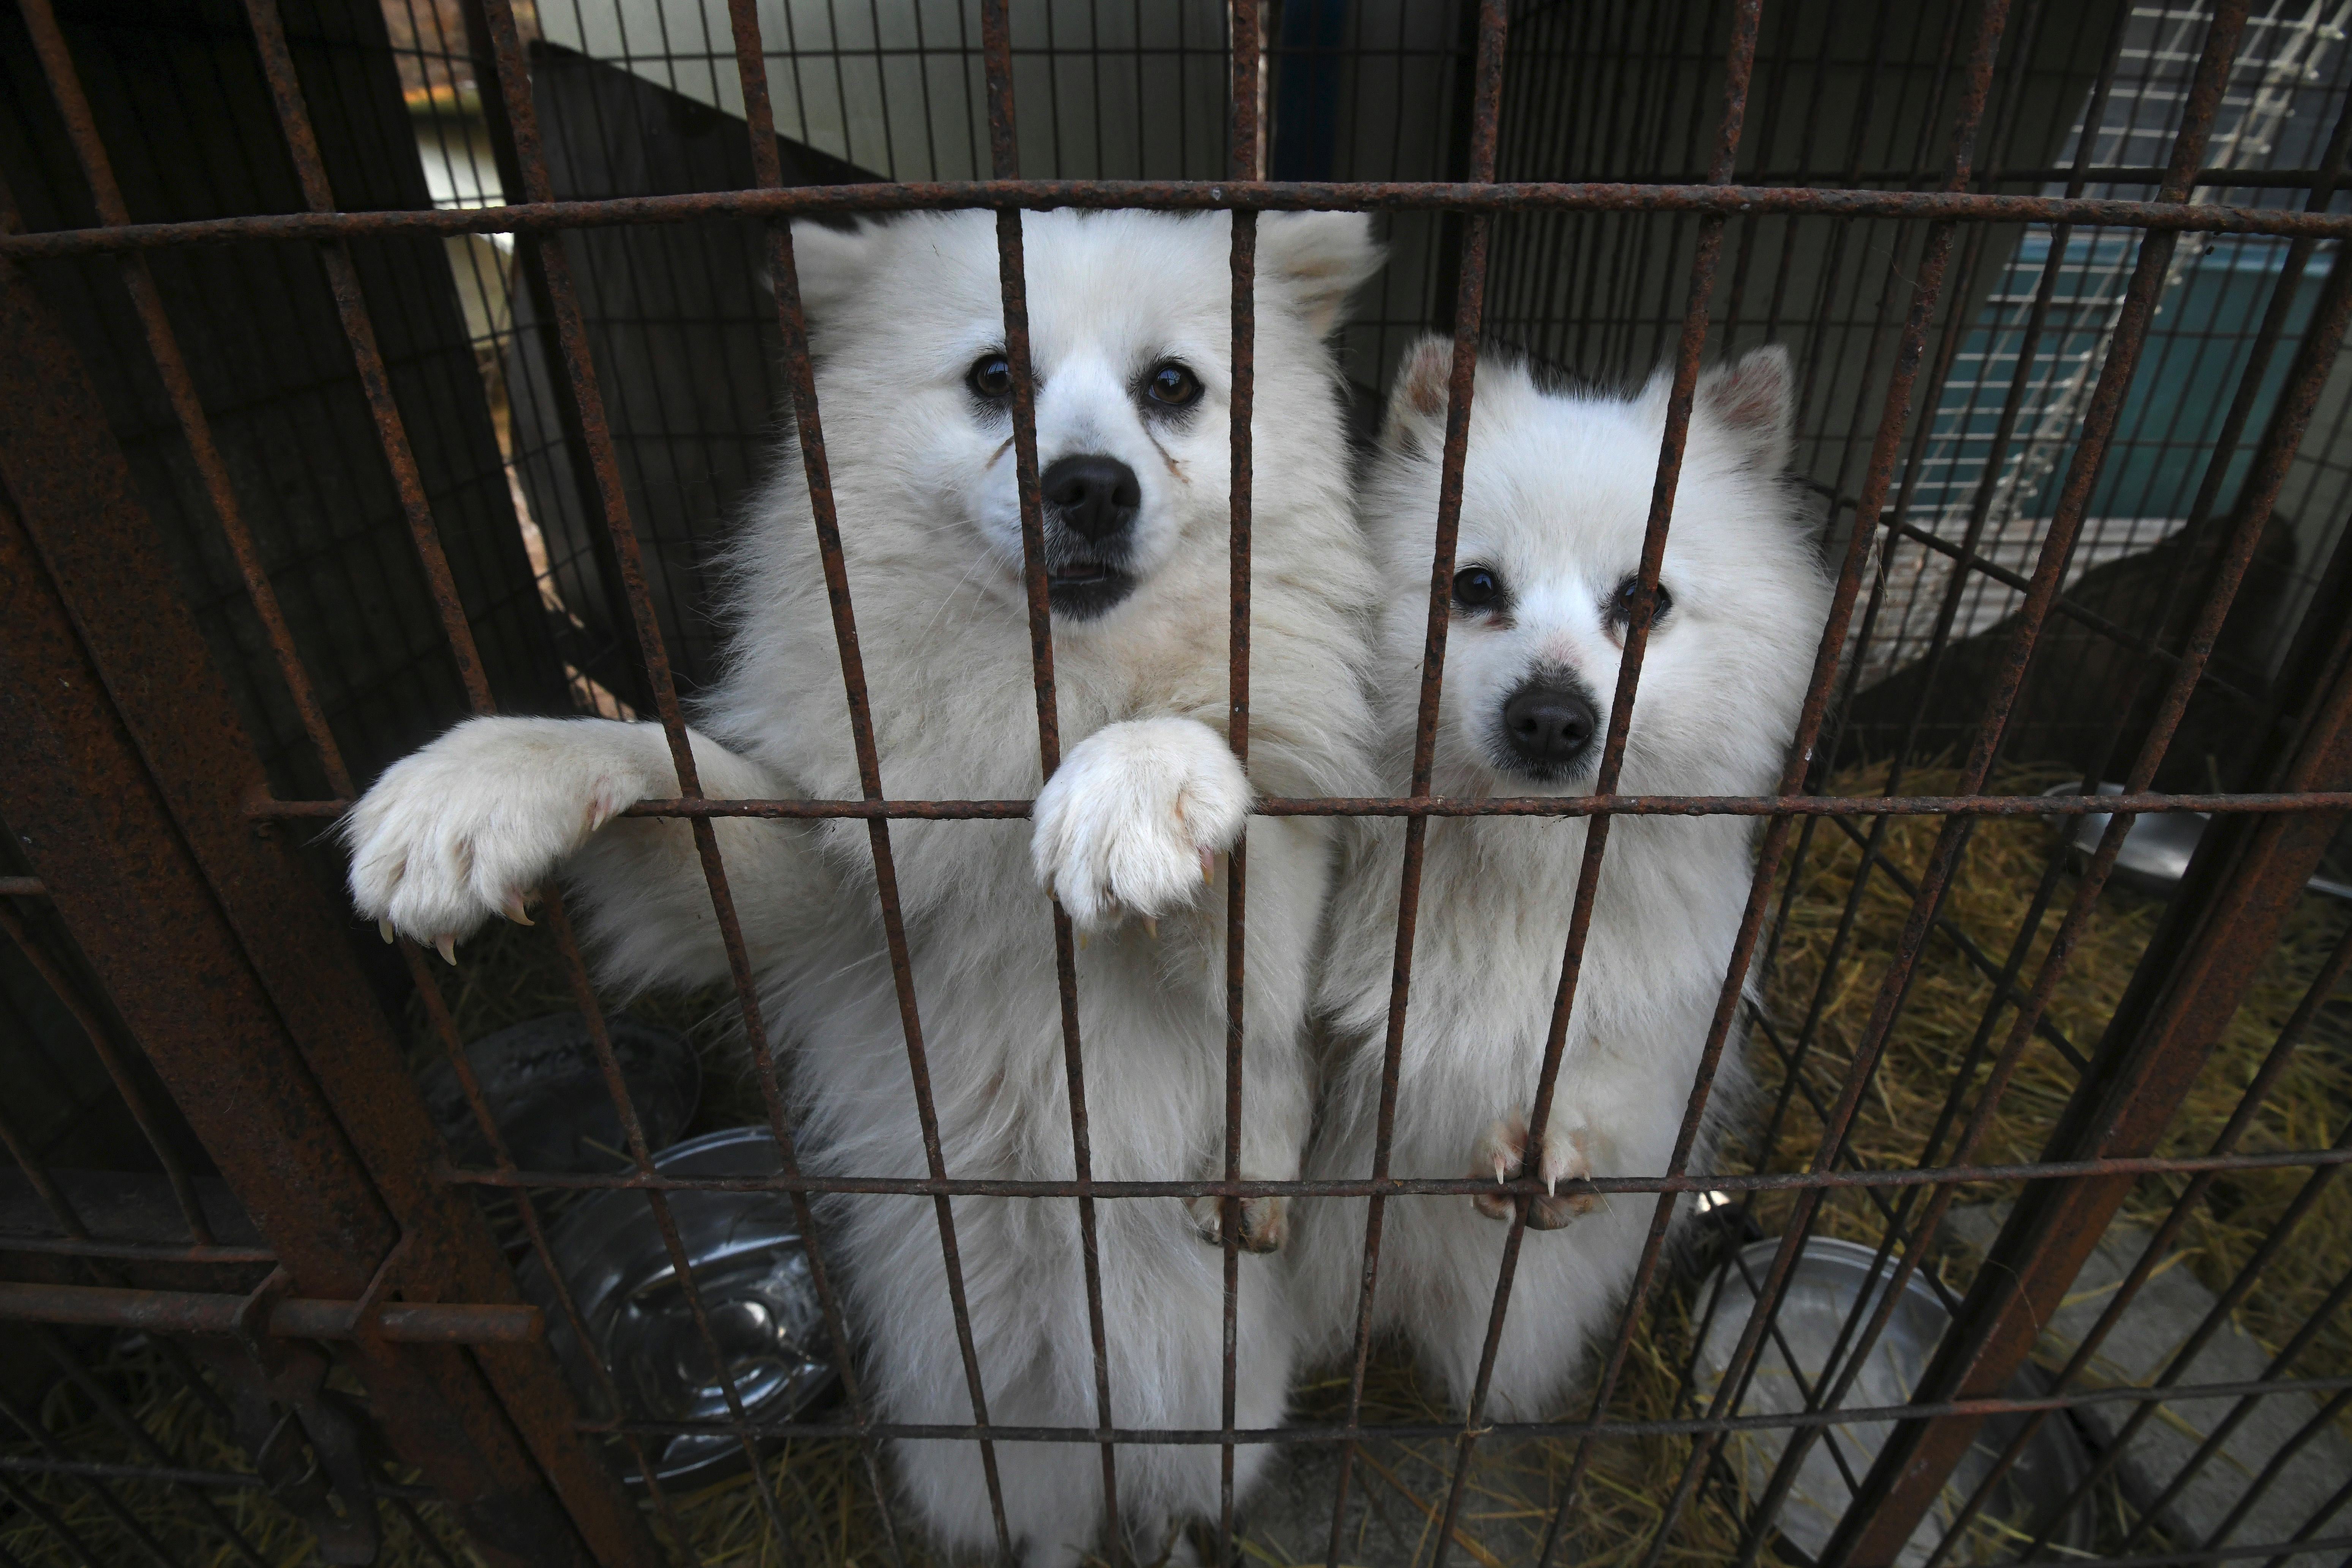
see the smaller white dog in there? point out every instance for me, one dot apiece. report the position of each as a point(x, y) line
point(1556, 496)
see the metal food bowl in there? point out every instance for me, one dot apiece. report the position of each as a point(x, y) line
point(1827, 1279)
point(2156, 850)
point(745, 1255)
point(547, 1093)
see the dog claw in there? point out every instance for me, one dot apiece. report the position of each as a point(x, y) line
point(448, 948)
point(514, 910)
point(1208, 867)
point(1151, 928)
point(389, 936)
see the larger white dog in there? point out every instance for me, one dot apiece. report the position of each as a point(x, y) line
point(1556, 496)
point(1131, 344)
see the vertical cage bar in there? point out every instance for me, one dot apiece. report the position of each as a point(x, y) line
point(1927, 293)
point(154, 877)
point(799, 374)
point(1738, 68)
point(439, 1414)
point(579, 369)
point(1469, 312)
point(367, 356)
point(302, 147)
point(1004, 157)
point(2098, 429)
point(179, 387)
point(2314, 360)
point(2160, 1241)
point(1243, 133)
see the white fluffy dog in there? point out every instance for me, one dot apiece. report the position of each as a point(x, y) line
point(1132, 335)
point(1555, 494)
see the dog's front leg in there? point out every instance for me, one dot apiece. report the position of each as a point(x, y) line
point(1274, 1114)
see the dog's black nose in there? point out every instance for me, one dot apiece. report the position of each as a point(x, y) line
point(1093, 496)
point(1548, 726)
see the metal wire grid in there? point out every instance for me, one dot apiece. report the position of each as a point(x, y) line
point(1885, 1507)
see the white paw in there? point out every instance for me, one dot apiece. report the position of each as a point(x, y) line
point(1501, 1154)
point(1131, 823)
point(471, 826)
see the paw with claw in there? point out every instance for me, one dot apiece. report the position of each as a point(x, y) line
point(1131, 823)
point(468, 829)
point(1501, 1154)
point(1265, 1222)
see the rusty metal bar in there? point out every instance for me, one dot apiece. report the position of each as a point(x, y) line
point(132, 1251)
point(1412, 1186)
point(37, 1176)
point(117, 1071)
point(1461, 384)
point(545, 215)
point(1994, 1340)
point(2139, 802)
point(367, 358)
point(154, 873)
point(1242, 131)
point(202, 1312)
point(176, 1476)
point(2098, 428)
point(583, 992)
point(303, 149)
point(1005, 159)
point(2310, 1331)
point(2144, 643)
point(1978, 565)
point(1304, 1434)
point(579, 369)
point(1877, 482)
point(800, 374)
point(2160, 1240)
point(1739, 61)
point(2315, 360)
point(444, 1026)
point(171, 369)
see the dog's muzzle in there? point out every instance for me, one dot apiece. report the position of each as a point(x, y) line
point(1091, 502)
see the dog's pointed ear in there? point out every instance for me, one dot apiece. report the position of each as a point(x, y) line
point(1416, 413)
point(1753, 402)
point(1317, 259)
point(834, 264)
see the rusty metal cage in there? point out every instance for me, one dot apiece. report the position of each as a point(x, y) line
point(2066, 287)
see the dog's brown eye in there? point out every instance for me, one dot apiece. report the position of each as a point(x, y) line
point(1476, 588)
point(1172, 385)
point(990, 378)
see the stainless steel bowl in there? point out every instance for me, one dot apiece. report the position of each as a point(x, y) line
point(1829, 1278)
point(546, 1091)
point(745, 1255)
point(2156, 851)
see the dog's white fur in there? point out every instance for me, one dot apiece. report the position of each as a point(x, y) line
point(1556, 496)
point(1125, 831)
